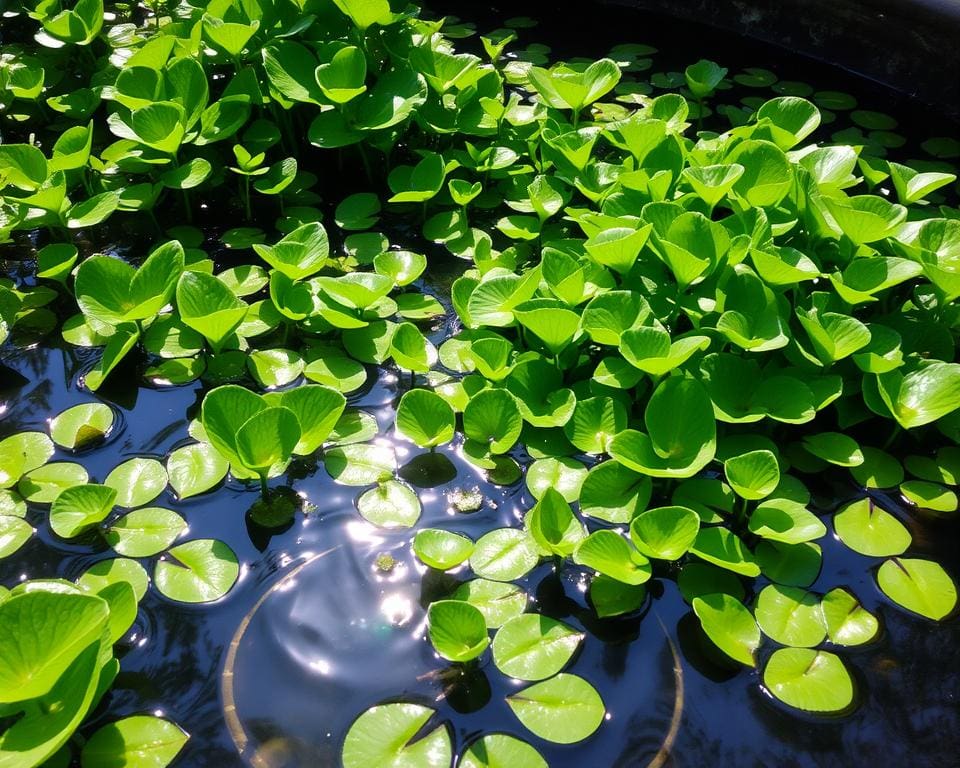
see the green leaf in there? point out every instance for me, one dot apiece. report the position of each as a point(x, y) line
point(869, 530)
point(107, 572)
point(699, 579)
point(815, 681)
point(441, 549)
point(266, 440)
point(498, 750)
point(564, 709)
point(614, 598)
point(425, 418)
point(457, 630)
point(613, 493)
point(534, 647)
point(209, 307)
point(42, 633)
point(564, 475)
point(553, 525)
point(301, 253)
point(343, 77)
point(785, 521)
point(920, 586)
point(564, 87)
point(390, 505)
point(497, 601)
point(199, 571)
point(360, 464)
point(194, 469)
point(317, 408)
point(846, 620)
point(607, 552)
point(923, 395)
point(382, 737)
point(141, 740)
point(14, 533)
point(753, 475)
point(796, 565)
point(504, 554)
point(81, 425)
point(723, 548)
point(790, 616)
point(80, 508)
point(834, 448)
point(493, 418)
point(137, 482)
point(145, 532)
point(665, 533)
point(729, 625)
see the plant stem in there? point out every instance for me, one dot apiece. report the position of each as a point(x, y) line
point(264, 490)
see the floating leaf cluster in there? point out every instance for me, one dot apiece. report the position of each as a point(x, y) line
point(675, 313)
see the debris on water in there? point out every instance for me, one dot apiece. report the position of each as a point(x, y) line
point(465, 500)
point(385, 562)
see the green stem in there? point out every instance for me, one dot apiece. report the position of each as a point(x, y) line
point(264, 490)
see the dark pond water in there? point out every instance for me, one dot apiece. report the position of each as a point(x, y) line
point(314, 633)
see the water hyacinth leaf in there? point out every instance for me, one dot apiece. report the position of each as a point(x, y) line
point(209, 307)
point(788, 120)
point(106, 572)
point(300, 253)
point(921, 586)
point(14, 533)
point(390, 505)
point(790, 616)
point(610, 554)
point(563, 474)
point(811, 680)
point(145, 532)
point(194, 469)
point(337, 371)
point(878, 470)
point(610, 597)
point(410, 350)
point(554, 325)
point(534, 647)
point(564, 709)
point(80, 508)
point(143, 740)
point(360, 464)
point(137, 482)
point(273, 368)
point(265, 441)
point(457, 630)
point(82, 425)
point(60, 624)
point(665, 533)
point(652, 351)
point(796, 565)
point(492, 418)
point(118, 345)
point(753, 475)
point(726, 550)
point(768, 174)
point(865, 218)
point(846, 620)
point(342, 78)
point(728, 623)
point(923, 395)
point(835, 448)
point(425, 418)
point(199, 571)
point(564, 87)
point(504, 554)
point(21, 453)
point(403, 267)
point(441, 549)
point(869, 530)
point(786, 521)
point(537, 387)
point(317, 408)
point(613, 493)
point(553, 525)
point(12, 504)
point(497, 601)
point(383, 737)
point(499, 750)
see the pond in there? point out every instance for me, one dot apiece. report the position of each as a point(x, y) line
point(602, 413)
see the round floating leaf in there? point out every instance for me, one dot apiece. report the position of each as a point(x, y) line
point(504, 554)
point(878, 470)
point(142, 740)
point(553, 525)
point(613, 493)
point(534, 647)
point(698, 579)
point(493, 419)
point(195, 468)
point(869, 530)
point(498, 750)
point(274, 368)
point(442, 549)
point(815, 681)
point(198, 571)
point(497, 601)
point(932, 496)
point(44, 484)
point(846, 620)
point(12, 505)
point(21, 453)
point(457, 630)
point(390, 505)
point(665, 533)
point(753, 475)
point(14, 533)
point(796, 565)
point(338, 371)
point(564, 475)
point(107, 572)
point(564, 709)
point(145, 532)
point(729, 625)
point(921, 586)
point(81, 425)
point(382, 737)
point(80, 508)
point(425, 418)
point(834, 448)
point(614, 598)
point(137, 481)
point(360, 464)
point(610, 554)
point(790, 616)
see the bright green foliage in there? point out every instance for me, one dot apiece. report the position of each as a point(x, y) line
point(457, 630)
point(816, 681)
point(564, 709)
point(383, 737)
